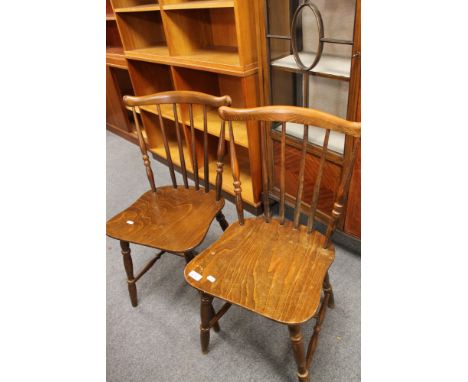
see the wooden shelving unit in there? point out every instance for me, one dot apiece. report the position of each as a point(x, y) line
point(207, 46)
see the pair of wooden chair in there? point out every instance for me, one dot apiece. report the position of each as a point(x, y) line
point(270, 266)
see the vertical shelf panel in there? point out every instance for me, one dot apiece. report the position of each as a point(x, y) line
point(117, 85)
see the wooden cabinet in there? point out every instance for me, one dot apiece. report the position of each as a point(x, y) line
point(208, 46)
point(333, 86)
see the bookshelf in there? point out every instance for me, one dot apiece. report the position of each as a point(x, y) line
point(208, 46)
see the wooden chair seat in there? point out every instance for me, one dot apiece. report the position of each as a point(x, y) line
point(165, 219)
point(268, 268)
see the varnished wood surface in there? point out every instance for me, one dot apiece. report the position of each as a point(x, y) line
point(328, 184)
point(353, 211)
point(173, 220)
point(200, 4)
point(180, 96)
point(187, 39)
point(352, 223)
point(116, 114)
point(293, 114)
point(268, 268)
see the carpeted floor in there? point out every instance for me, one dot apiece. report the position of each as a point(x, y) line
point(159, 340)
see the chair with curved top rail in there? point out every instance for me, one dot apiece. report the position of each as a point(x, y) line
point(272, 266)
point(172, 219)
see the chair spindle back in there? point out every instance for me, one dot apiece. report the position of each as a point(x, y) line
point(307, 117)
point(176, 99)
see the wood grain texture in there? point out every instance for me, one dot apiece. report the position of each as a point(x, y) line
point(268, 268)
point(173, 220)
point(179, 96)
point(353, 211)
point(328, 185)
point(116, 115)
point(171, 5)
point(293, 114)
point(141, 30)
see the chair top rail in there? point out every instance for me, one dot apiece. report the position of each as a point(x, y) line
point(295, 114)
point(178, 97)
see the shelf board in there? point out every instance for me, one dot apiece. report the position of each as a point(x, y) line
point(115, 57)
point(158, 54)
point(336, 140)
point(174, 149)
point(200, 5)
point(166, 110)
point(246, 180)
point(139, 8)
point(215, 57)
point(329, 65)
point(213, 123)
point(110, 17)
point(223, 60)
point(130, 109)
point(214, 127)
point(116, 50)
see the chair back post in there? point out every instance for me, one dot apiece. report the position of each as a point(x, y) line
point(176, 98)
point(220, 161)
point(341, 197)
point(236, 176)
point(306, 117)
point(265, 177)
point(144, 151)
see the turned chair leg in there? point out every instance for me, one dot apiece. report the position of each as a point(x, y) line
point(128, 264)
point(206, 312)
point(295, 335)
point(222, 221)
point(327, 288)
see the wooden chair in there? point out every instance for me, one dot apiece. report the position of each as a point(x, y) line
point(271, 266)
point(172, 219)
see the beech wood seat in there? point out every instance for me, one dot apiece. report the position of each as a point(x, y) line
point(164, 219)
point(271, 269)
point(173, 219)
point(272, 266)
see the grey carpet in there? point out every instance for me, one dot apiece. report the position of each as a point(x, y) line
point(159, 340)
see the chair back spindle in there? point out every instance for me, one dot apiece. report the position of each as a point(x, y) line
point(166, 147)
point(220, 161)
point(180, 146)
point(283, 172)
point(236, 176)
point(300, 186)
point(144, 152)
point(206, 169)
point(306, 117)
point(318, 180)
point(194, 149)
point(265, 178)
point(175, 98)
